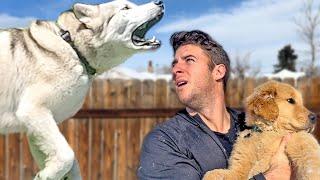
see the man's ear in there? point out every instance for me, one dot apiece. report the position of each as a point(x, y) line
point(262, 102)
point(219, 71)
point(85, 13)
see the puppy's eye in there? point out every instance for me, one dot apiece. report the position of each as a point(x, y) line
point(291, 101)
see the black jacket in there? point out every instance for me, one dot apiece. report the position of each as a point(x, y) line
point(184, 148)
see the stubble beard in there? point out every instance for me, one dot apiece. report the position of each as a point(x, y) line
point(194, 100)
point(199, 96)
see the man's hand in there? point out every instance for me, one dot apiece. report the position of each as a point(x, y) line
point(280, 167)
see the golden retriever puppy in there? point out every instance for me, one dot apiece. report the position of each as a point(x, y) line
point(274, 110)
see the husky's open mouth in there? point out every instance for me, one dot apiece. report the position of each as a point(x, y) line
point(138, 34)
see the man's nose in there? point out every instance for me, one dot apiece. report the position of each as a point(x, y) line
point(176, 69)
point(179, 66)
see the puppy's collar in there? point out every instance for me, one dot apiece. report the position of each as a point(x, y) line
point(256, 128)
point(252, 129)
point(66, 36)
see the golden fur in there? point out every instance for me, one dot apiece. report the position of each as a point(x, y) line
point(276, 109)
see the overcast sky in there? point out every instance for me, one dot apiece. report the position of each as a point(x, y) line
point(259, 27)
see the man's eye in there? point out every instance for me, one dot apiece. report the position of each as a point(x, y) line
point(291, 101)
point(190, 60)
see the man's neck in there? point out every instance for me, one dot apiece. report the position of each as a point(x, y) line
point(214, 115)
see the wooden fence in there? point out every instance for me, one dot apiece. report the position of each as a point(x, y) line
point(107, 133)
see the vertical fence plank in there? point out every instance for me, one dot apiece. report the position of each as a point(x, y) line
point(260, 81)
point(83, 153)
point(29, 165)
point(97, 98)
point(161, 94)
point(133, 130)
point(97, 102)
point(86, 104)
point(2, 157)
point(14, 156)
point(110, 155)
point(108, 149)
point(122, 94)
point(133, 147)
point(121, 166)
point(315, 101)
point(234, 93)
point(134, 94)
point(148, 89)
point(173, 101)
point(115, 95)
point(290, 81)
point(249, 85)
point(106, 94)
point(315, 92)
point(70, 128)
point(303, 87)
point(96, 153)
point(122, 131)
point(316, 131)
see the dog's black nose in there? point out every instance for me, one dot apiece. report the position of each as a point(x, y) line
point(158, 2)
point(312, 117)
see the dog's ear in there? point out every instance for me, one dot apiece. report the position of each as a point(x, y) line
point(85, 13)
point(262, 102)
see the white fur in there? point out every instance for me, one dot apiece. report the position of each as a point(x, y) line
point(43, 81)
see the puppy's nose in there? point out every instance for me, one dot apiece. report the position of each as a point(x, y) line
point(312, 117)
point(158, 2)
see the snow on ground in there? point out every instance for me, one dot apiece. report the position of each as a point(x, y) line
point(285, 74)
point(126, 73)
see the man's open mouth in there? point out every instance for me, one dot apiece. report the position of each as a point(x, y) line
point(138, 34)
point(181, 83)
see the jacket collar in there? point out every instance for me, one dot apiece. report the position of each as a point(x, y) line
point(236, 116)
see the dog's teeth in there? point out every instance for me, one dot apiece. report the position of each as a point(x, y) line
point(153, 39)
point(136, 38)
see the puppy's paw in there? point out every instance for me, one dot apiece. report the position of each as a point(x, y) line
point(218, 174)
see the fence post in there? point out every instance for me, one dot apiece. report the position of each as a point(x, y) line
point(133, 129)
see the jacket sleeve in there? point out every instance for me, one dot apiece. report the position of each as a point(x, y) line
point(162, 158)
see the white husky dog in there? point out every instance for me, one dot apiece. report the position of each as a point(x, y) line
point(47, 69)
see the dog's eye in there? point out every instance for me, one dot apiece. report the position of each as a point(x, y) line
point(291, 101)
point(125, 8)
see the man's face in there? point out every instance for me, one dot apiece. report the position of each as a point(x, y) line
point(191, 75)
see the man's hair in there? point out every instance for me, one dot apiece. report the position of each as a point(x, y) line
point(212, 48)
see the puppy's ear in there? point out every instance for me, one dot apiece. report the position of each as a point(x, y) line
point(85, 13)
point(262, 102)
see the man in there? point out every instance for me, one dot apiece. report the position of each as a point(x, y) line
point(199, 138)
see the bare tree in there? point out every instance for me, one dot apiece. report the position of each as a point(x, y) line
point(255, 70)
point(308, 25)
point(242, 67)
